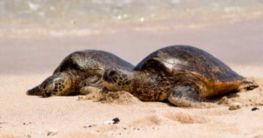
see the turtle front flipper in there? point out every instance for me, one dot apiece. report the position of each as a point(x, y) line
point(188, 91)
point(184, 96)
point(87, 90)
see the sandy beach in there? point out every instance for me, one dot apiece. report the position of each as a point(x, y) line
point(27, 61)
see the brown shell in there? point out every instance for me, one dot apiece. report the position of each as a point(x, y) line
point(182, 58)
point(88, 60)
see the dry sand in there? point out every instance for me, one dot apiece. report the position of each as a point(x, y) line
point(26, 62)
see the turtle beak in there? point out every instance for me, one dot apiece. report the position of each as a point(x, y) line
point(37, 91)
point(34, 91)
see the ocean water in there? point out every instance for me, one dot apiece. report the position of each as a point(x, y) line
point(97, 13)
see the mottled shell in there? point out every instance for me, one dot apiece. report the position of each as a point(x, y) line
point(180, 58)
point(90, 60)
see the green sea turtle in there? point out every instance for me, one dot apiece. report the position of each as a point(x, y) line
point(183, 75)
point(79, 70)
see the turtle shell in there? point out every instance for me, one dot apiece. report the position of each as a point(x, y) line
point(88, 60)
point(181, 58)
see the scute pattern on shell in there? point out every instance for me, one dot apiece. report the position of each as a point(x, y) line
point(193, 60)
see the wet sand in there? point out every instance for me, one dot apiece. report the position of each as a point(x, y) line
point(27, 61)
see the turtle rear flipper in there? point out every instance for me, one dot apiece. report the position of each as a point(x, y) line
point(248, 85)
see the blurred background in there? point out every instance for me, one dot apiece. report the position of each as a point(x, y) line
point(93, 16)
point(35, 35)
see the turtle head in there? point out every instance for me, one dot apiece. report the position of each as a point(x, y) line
point(57, 84)
point(116, 79)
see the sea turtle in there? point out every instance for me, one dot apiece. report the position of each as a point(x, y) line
point(79, 70)
point(183, 75)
